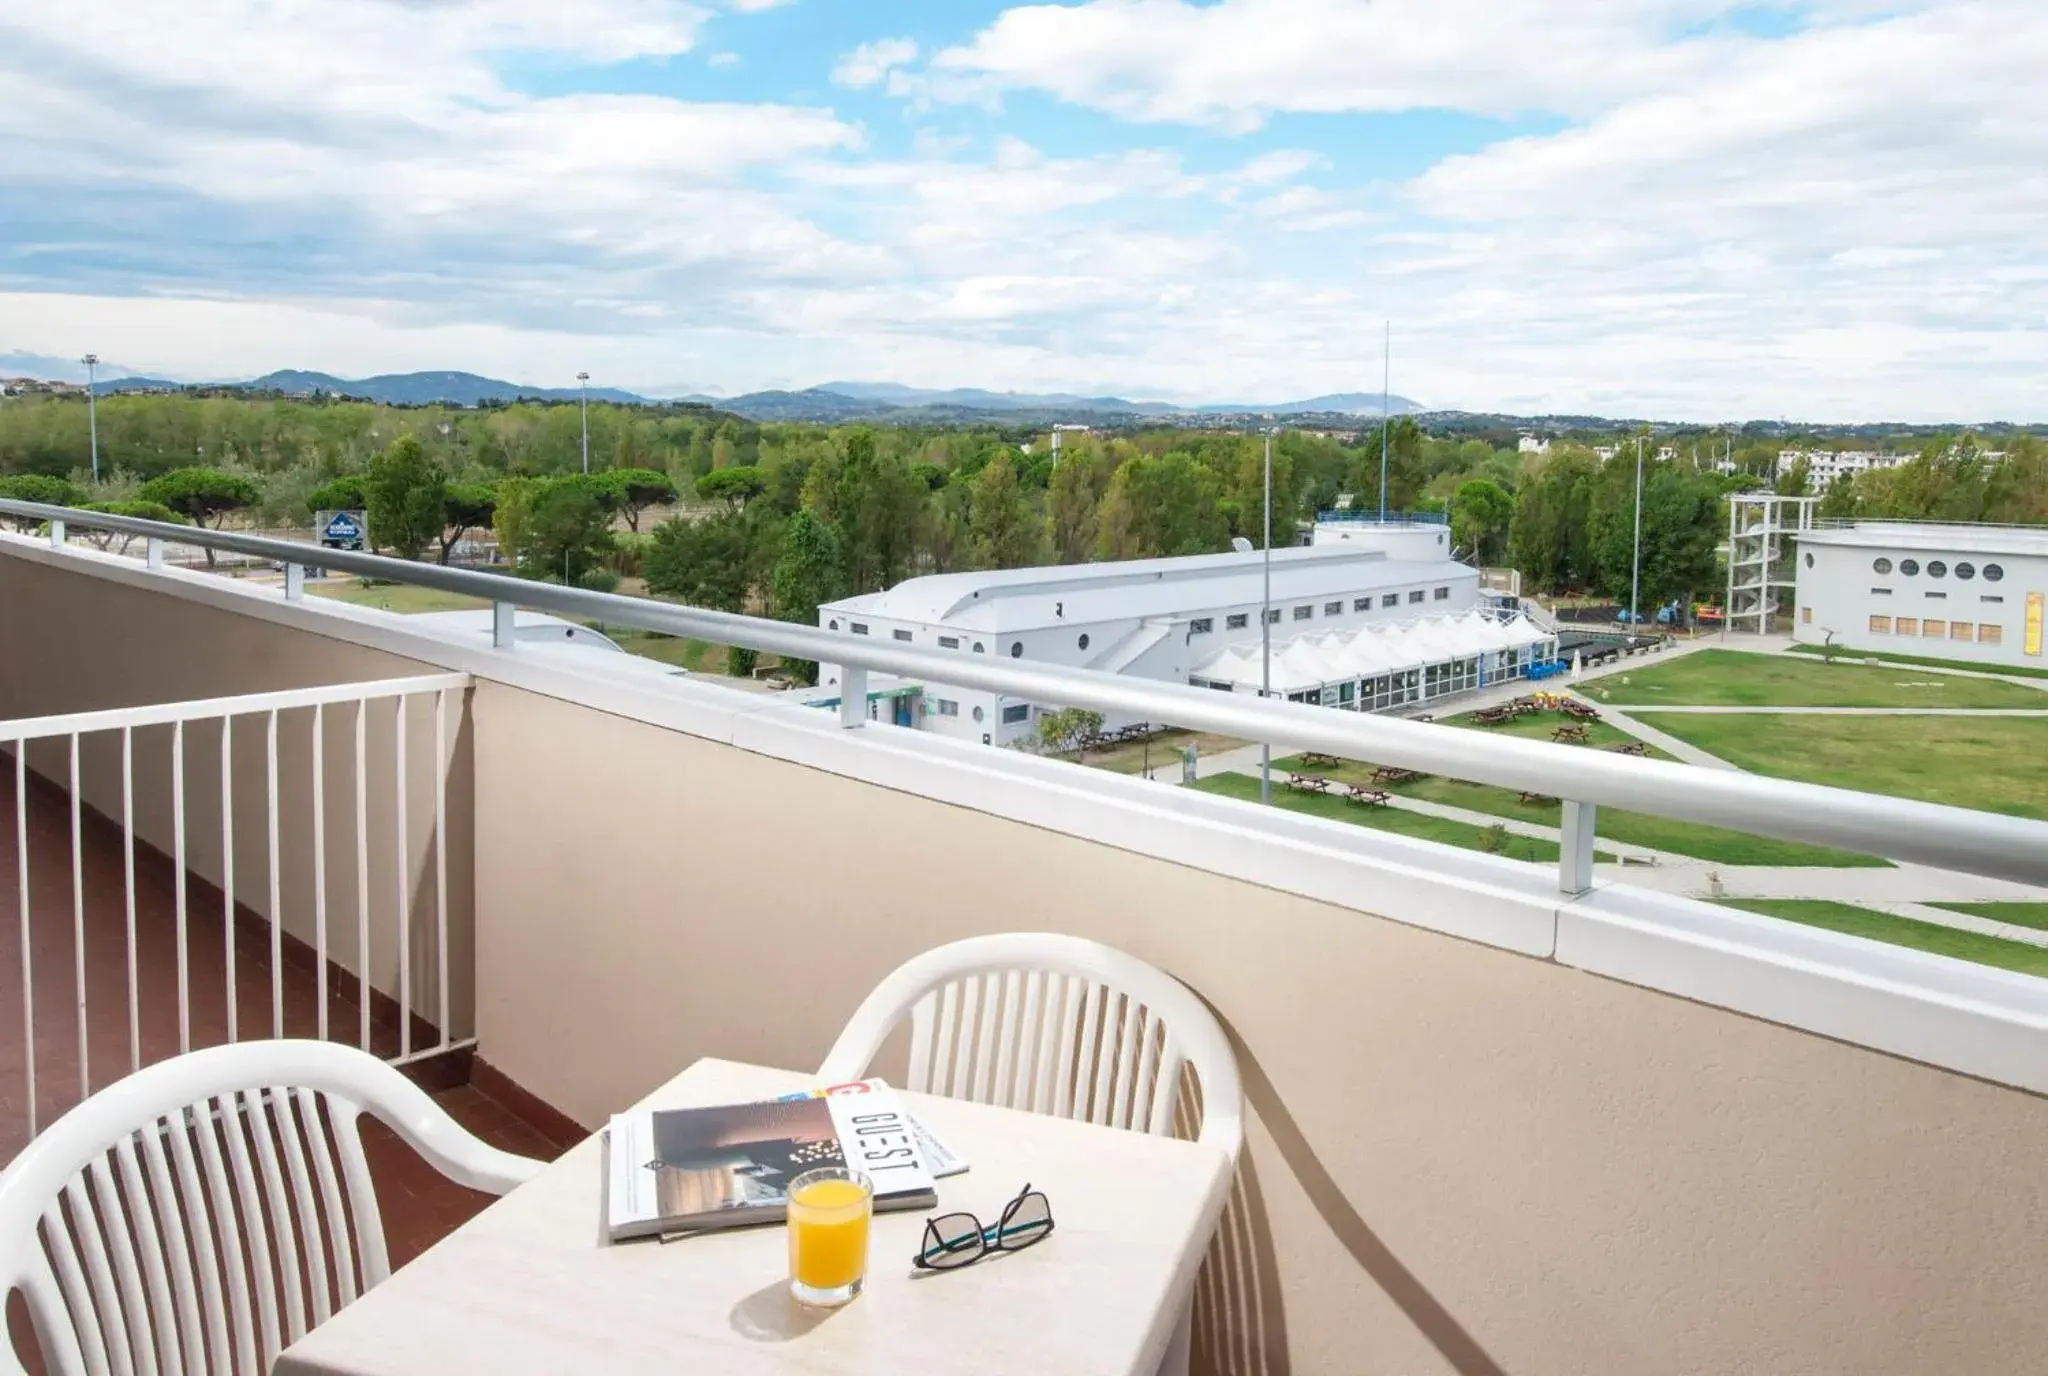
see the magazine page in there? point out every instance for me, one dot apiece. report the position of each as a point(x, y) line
point(939, 1158)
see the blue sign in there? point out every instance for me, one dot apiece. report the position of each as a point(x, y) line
point(342, 530)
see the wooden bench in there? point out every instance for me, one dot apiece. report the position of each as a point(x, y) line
point(1368, 796)
point(1389, 774)
point(1315, 759)
point(1570, 735)
point(1309, 783)
point(1638, 748)
point(1537, 799)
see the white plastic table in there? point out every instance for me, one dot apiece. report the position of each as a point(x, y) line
point(529, 1285)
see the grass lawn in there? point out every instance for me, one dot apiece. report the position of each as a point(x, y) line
point(1166, 748)
point(1994, 764)
point(2033, 915)
point(403, 598)
point(1735, 678)
point(1631, 828)
point(2013, 669)
point(698, 656)
point(1903, 931)
point(1393, 819)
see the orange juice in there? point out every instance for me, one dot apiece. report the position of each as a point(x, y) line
point(828, 1238)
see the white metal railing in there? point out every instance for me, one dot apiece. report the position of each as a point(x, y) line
point(150, 773)
point(1898, 828)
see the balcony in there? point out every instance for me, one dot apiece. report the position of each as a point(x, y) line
point(1502, 1117)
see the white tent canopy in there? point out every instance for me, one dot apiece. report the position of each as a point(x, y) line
point(1334, 657)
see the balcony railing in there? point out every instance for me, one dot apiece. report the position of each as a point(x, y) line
point(1952, 838)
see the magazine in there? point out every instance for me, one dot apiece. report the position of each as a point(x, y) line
point(675, 1170)
point(939, 1158)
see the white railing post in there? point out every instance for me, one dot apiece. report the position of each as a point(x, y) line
point(153, 552)
point(56, 535)
point(294, 582)
point(1575, 851)
point(501, 625)
point(853, 696)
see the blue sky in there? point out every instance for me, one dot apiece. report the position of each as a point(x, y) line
point(1686, 208)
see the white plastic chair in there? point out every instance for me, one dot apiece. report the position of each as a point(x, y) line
point(146, 1224)
point(1054, 1024)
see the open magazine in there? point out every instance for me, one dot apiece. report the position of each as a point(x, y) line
point(679, 1170)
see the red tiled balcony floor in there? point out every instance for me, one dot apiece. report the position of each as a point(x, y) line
point(418, 1204)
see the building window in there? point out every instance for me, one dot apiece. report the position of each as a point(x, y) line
point(1936, 569)
point(1806, 616)
point(1273, 617)
point(1909, 567)
point(949, 642)
point(1907, 626)
point(1443, 594)
point(1019, 713)
point(1938, 596)
point(1966, 571)
point(977, 714)
point(1392, 599)
point(1809, 559)
point(1363, 604)
point(1415, 596)
point(1016, 649)
point(858, 627)
point(1333, 609)
point(902, 635)
point(1083, 641)
point(1880, 566)
point(1988, 634)
point(1993, 572)
point(1991, 597)
point(1961, 630)
point(1880, 592)
point(1237, 621)
point(1202, 625)
point(977, 647)
point(1880, 625)
point(1304, 613)
point(1930, 629)
point(831, 625)
point(945, 707)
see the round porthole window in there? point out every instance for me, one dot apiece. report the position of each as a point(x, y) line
point(1936, 569)
point(1809, 560)
point(1881, 565)
point(1084, 641)
point(1966, 571)
point(977, 714)
point(1016, 649)
point(977, 648)
point(1993, 572)
point(1909, 567)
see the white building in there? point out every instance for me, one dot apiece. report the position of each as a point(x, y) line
point(1530, 444)
point(1823, 466)
point(1963, 592)
point(1369, 616)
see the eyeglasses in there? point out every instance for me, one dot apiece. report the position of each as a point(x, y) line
point(955, 1240)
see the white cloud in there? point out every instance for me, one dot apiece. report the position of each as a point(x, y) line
point(871, 63)
point(722, 60)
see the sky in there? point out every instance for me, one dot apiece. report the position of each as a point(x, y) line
point(1688, 209)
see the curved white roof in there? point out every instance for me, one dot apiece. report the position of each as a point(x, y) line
point(1310, 661)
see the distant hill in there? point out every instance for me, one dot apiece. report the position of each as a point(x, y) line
point(975, 399)
point(111, 386)
point(419, 389)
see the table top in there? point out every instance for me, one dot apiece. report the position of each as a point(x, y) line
point(530, 1285)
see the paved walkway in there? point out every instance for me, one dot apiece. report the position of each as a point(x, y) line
point(1669, 744)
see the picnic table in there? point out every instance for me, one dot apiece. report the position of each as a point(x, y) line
point(1580, 711)
point(1368, 795)
point(1315, 759)
point(1309, 783)
point(1391, 774)
point(1537, 799)
point(1570, 735)
point(1638, 748)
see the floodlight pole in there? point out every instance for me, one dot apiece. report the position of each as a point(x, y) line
point(1635, 564)
point(92, 410)
point(1266, 630)
point(1386, 391)
point(583, 381)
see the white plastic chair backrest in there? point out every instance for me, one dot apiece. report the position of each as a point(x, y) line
point(1053, 1024)
point(206, 1211)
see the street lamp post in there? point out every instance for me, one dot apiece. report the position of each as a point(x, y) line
point(1635, 563)
point(1266, 631)
point(583, 381)
point(1386, 391)
point(92, 410)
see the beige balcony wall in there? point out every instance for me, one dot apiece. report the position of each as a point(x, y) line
point(80, 640)
point(1459, 1159)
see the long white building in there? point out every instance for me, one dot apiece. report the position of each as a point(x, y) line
point(1368, 617)
point(1973, 593)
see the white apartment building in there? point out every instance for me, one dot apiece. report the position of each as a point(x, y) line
point(1823, 466)
point(1973, 593)
point(1368, 617)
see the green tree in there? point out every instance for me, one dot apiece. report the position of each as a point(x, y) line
point(468, 506)
point(407, 498)
point(1073, 498)
point(637, 489)
point(203, 496)
point(341, 494)
point(1407, 473)
point(1794, 481)
point(874, 503)
point(513, 514)
point(705, 564)
point(733, 486)
point(38, 487)
point(1482, 513)
point(807, 574)
point(1069, 728)
point(567, 533)
point(1158, 507)
point(1550, 539)
point(136, 510)
point(1005, 532)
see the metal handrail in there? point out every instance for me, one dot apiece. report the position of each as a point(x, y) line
point(1898, 828)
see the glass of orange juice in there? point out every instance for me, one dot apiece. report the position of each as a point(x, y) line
point(828, 1235)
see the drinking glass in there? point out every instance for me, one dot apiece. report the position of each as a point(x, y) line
point(828, 1235)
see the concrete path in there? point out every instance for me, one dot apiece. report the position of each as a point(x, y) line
point(1840, 711)
point(1967, 922)
point(1670, 745)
